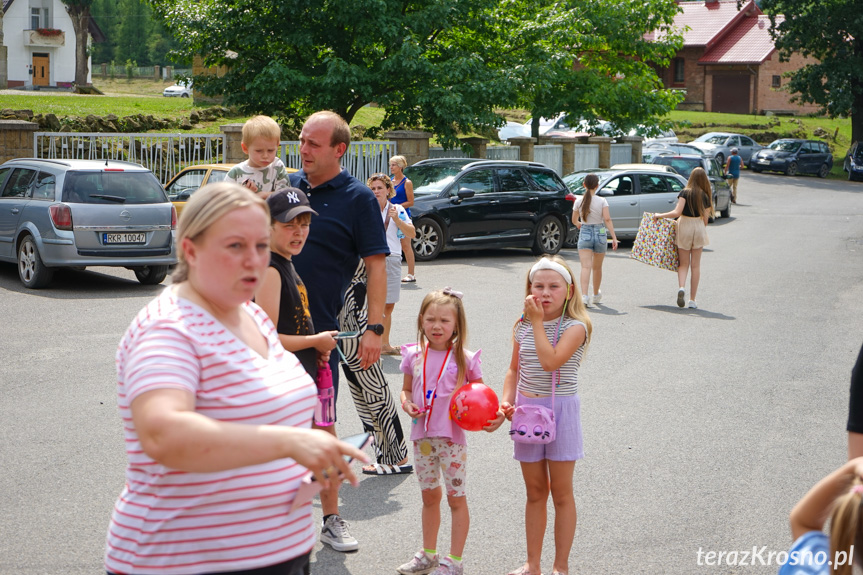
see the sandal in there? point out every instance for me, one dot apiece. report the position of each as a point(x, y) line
point(521, 571)
point(410, 278)
point(384, 469)
point(390, 350)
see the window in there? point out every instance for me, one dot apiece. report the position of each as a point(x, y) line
point(674, 184)
point(43, 188)
point(733, 142)
point(513, 180)
point(746, 142)
point(35, 21)
point(19, 183)
point(777, 81)
point(186, 184)
point(621, 186)
point(544, 180)
point(217, 176)
point(480, 181)
point(652, 184)
point(678, 71)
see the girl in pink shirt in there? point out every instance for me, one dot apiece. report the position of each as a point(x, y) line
point(434, 368)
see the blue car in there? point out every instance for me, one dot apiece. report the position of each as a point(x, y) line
point(793, 156)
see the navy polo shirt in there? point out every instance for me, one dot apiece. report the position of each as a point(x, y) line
point(348, 227)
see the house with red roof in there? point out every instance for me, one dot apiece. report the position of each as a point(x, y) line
point(729, 62)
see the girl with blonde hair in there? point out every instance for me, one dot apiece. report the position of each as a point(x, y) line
point(693, 210)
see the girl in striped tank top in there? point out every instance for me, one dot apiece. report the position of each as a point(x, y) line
point(550, 337)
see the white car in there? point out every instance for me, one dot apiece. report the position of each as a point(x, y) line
point(516, 130)
point(178, 91)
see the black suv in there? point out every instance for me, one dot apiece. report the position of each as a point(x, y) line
point(472, 204)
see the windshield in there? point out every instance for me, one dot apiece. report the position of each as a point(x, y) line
point(575, 181)
point(785, 146)
point(682, 166)
point(113, 188)
point(715, 139)
point(431, 179)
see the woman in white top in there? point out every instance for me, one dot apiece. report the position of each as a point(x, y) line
point(590, 216)
point(398, 225)
point(216, 414)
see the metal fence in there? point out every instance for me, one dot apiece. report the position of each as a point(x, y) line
point(441, 153)
point(620, 154)
point(163, 154)
point(551, 155)
point(361, 160)
point(586, 157)
point(509, 153)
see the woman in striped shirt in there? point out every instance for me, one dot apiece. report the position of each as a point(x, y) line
point(216, 414)
point(550, 337)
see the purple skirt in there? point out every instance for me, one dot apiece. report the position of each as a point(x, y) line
point(568, 445)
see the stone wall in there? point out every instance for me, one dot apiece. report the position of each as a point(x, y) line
point(113, 124)
point(16, 139)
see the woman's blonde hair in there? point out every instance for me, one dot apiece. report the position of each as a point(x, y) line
point(574, 308)
point(845, 528)
point(387, 182)
point(699, 182)
point(205, 207)
point(400, 161)
point(459, 334)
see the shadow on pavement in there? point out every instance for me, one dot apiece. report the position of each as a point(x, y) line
point(691, 312)
point(75, 284)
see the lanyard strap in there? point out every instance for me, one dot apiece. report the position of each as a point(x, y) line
point(429, 406)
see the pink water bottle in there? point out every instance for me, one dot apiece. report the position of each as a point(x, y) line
point(325, 407)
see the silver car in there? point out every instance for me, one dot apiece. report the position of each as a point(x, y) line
point(630, 193)
point(718, 145)
point(79, 213)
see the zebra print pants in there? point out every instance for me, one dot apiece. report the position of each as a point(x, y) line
point(372, 397)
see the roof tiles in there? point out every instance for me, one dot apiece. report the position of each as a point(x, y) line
point(709, 20)
point(749, 42)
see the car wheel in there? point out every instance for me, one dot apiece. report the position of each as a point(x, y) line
point(33, 273)
point(549, 236)
point(721, 159)
point(571, 238)
point(823, 171)
point(791, 169)
point(184, 96)
point(429, 241)
point(852, 177)
point(151, 275)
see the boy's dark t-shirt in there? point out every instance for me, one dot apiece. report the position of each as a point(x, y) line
point(294, 316)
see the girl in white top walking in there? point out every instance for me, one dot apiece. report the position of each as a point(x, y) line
point(590, 215)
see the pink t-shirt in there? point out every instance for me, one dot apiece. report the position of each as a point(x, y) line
point(439, 423)
point(178, 523)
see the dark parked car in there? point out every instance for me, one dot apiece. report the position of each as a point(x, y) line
point(854, 162)
point(471, 204)
point(793, 156)
point(630, 191)
point(79, 213)
point(684, 164)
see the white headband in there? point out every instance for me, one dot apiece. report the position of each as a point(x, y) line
point(547, 264)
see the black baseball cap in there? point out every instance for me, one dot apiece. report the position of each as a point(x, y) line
point(289, 203)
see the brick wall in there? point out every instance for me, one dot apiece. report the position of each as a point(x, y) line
point(693, 78)
point(769, 98)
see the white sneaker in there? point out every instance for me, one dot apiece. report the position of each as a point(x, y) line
point(586, 301)
point(692, 304)
point(335, 534)
point(597, 297)
point(681, 297)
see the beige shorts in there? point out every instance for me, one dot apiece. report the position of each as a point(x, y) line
point(691, 233)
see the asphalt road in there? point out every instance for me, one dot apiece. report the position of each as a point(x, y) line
point(702, 427)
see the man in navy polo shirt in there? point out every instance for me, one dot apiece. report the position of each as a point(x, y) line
point(346, 229)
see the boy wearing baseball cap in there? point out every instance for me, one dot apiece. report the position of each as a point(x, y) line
point(282, 293)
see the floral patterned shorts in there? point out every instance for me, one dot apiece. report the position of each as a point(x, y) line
point(436, 455)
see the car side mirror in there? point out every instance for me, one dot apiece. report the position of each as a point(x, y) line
point(605, 193)
point(463, 194)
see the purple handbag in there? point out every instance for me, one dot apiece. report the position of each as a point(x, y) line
point(535, 423)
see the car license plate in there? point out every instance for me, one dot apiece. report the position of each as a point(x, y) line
point(763, 161)
point(124, 238)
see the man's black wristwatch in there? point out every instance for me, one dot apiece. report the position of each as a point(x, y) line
point(377, 328)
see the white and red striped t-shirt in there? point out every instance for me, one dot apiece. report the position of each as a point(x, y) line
point(177, 523)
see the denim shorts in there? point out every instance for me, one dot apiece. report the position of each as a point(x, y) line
point(593, 237)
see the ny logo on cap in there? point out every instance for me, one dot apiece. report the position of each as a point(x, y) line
point(293, 197)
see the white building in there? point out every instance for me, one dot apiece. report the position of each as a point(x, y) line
point(40, 43)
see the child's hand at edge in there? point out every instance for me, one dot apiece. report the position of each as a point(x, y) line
point(494, 424)
point(411, 408)
point(325, 341)
point(508, 409)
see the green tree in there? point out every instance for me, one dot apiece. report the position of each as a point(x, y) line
point(79, 12)
point(589, 59)
point(104, 12)
point(444, 65)
point(831, 32)
point(133, 31)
